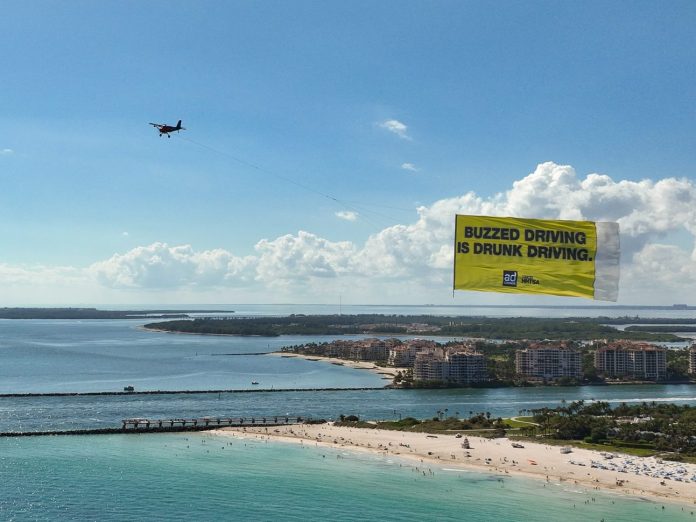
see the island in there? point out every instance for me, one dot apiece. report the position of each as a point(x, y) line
point(492, 352)
point(576, 328)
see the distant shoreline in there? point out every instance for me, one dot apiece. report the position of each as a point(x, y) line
point(474, 327)
point(357, 365)
point(95, 313)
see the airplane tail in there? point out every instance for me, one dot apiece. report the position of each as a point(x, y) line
point(178, 125)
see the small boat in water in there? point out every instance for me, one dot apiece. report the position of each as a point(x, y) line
point(254, 382)
point(128, 389)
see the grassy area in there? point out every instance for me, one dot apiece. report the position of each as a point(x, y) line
point(478, 426)
point(613, 448)
point(610, 448)
point(520, 422)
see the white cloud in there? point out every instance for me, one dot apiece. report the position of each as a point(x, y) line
point(294, 259)
point(39, 275)
point(6, 152)
point(411, 263)
point(161, 266)
point(409, 166)
point(125, 234)
point(398, 128)
point(347, 215)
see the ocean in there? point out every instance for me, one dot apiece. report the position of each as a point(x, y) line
point(178, 476)
point(206, 477)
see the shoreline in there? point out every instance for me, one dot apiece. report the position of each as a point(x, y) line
point(162, 330)
point(392, 371)
point(387, 372)
point(538, 461)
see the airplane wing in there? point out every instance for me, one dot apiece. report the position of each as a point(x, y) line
point(158, 125)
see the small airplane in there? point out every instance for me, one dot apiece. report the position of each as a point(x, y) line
point(163, 128)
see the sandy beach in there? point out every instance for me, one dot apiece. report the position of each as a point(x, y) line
point(387, 373)
point(623, 474)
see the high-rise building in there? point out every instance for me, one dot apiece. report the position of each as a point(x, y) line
point(404, 355)
point(632, 360)
point(455, 366)
point(467, 367)
point(548, 362)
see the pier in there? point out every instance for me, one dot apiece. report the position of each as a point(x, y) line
point(208, 423)
point(187, 392)
point(135, 426)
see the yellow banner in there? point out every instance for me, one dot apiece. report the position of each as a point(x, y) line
point(536, 256)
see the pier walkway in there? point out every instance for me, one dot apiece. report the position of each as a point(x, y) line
point(133, 426)
point(210, 422)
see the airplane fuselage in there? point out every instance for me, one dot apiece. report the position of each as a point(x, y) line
point(166, 129)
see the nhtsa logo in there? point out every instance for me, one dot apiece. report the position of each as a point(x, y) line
point(529, 280)
point(509, 278)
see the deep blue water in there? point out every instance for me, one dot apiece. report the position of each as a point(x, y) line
point(63, 413)
point(95, 356)
point(82, 356)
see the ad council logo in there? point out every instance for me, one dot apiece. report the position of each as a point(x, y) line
point(509, 278)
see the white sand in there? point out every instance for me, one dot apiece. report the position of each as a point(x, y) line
point(497, 456)
point(387, 372)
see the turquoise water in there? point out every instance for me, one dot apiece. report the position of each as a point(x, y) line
point(204, 477)
point(191, 476)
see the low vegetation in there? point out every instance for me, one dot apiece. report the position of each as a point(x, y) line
point(642, 429)
point(478, 424)
point(484, 327)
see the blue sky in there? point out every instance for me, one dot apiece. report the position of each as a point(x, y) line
point(478, 95)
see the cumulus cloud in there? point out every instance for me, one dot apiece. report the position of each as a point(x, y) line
point(647, 212)
point(406, 262)
point(6, 152)
point(347, 215)
point(409, 166)
point(39, 275)
point(396, 127)
point(297, 258)
point(161, 266)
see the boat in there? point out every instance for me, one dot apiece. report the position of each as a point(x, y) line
point(128, 389)
point(254, 382)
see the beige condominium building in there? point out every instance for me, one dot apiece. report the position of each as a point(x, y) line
point(404, 355)
point(632, 360)
point(456, 367)
point(545, 361)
